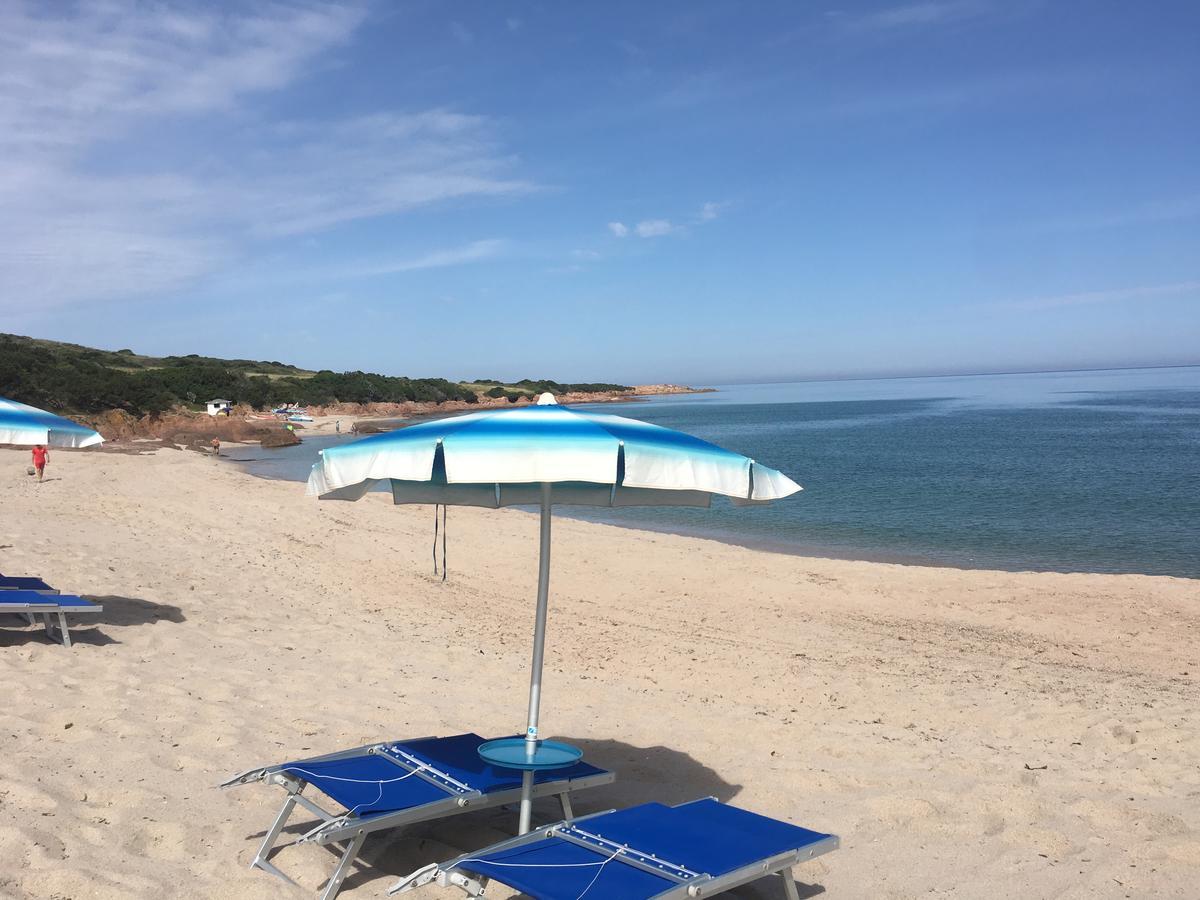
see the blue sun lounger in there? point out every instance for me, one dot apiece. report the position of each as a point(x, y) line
point(34, 603)
point(695, 849)
point(24, 583)
point(383, 786)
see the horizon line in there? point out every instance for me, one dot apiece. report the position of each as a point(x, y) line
point(820, 380)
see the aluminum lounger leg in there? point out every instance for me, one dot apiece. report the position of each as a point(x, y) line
point(260, 858)
point(339, 874)
point(64, 634)
point(789, 884)
point(565, 799)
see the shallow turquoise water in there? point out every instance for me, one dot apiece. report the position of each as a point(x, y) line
point(1077, 471)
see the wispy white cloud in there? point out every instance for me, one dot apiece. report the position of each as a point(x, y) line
point(255, 275)
point(580, 259)
point(1119, 295)
point(476, 251)
point(513, 24)
point(653, 228)
point(85, 258)
point(66, 79)
point(75, 84)
point(949, 96)
point(1173, 209)
point(317, 176)
point(462, 33)
point(911, 16)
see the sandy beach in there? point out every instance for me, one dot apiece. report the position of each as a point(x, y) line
point(966, 733)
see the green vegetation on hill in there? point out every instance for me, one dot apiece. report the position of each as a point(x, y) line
point(527, 388)
point(127, 359)
point(72, 378)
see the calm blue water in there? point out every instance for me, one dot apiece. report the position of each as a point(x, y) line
point(1074, 471)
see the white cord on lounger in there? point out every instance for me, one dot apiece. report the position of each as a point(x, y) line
point(599, 870)
point(379, 781)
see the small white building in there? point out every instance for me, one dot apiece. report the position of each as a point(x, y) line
point(217, 407)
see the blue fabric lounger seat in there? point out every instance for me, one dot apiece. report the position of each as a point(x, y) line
point(24, 583)
point(696, 849)
point(381, 786)
point(58, 606)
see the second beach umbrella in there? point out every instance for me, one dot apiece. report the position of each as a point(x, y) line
point(29, 426)
point(542, 455)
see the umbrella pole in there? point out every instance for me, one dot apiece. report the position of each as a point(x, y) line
point(539, 644)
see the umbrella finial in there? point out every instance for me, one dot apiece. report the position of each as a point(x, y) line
point(547, 399)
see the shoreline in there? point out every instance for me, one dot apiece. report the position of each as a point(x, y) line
point(816, 551)
point(783, 548)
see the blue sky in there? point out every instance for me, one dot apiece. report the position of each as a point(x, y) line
point(697, 192)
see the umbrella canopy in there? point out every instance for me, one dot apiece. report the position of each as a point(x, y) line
point(501, 458)
point(21, 424)
point(545, 454)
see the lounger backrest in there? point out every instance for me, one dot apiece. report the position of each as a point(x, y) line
point(366, 784)
point(704, 836)
point(23, 583)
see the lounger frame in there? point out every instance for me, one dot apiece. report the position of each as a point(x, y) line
point(16, 587)
point(351, 830)
point(48, 609)
point(688, 883)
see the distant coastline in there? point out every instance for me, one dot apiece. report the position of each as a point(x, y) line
point(374, 418)
point(129, 392)
point(245, 424)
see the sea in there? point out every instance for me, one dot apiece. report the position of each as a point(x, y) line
point(1095, 471)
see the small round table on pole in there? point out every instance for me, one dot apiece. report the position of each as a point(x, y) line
point(528, 757)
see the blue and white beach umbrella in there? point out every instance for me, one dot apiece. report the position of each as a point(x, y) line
point(545, 454)
point(29, 426)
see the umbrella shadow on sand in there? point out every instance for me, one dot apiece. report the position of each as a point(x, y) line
point(643, 774)
point(96, 630)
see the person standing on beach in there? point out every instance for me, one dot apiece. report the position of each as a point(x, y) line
point(41, 456)
point(216, 445)
point(337, 426)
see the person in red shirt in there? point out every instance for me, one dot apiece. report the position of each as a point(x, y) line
point(41, 456)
